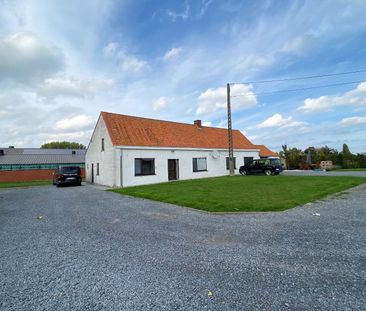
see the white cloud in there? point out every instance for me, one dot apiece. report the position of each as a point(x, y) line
point(356, 97)
point(352, 121)
point(54, 87)
point(174, 52)
point(69, 136)
point(175, 15)
point(127, 62)
point(205, 5)
point(160, 104)
point(24, 57)
point(252, 61)
point(207, 123)
point(131, 63)
point(299, 45)
point(215, 99)
point(76, 123)
point(277, 120)
point(110, 49)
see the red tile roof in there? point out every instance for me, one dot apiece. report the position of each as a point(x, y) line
point(265, 152)
point(135, 131)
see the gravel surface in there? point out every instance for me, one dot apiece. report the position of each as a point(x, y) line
point(79, 248)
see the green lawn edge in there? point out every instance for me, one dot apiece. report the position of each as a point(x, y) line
point(244, 193)
point(5, 185)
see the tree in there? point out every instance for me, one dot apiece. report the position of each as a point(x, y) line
point(347, 157)
point(62, 145)
point(285, 154)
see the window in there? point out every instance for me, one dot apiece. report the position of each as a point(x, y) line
point(247, 159)
point(102, 144)
point(144, 167)
point(227, 163)
point(73, 152)
point(97, 169)
point(199, 164)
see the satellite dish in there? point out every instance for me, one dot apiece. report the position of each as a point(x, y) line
point(215, 154)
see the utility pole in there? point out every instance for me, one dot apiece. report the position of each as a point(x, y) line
point(230, 132)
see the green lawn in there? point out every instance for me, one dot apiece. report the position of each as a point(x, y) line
point(25, 183)
point(244, 193)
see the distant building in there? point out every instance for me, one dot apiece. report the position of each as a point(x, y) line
point(26, 164)
point(265, 153)
point(326, 165)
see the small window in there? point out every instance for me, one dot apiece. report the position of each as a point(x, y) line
point(199, 164)
point(73, 152)
point(144, 167)
point(102, 144)
point(247, 160)
point(97, 169)
point(227, 163)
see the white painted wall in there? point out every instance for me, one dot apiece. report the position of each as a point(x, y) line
point(215, 166)
point(112, 157)
point(108, 171)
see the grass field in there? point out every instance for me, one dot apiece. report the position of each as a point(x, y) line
point(244, 193)
point(25, 183)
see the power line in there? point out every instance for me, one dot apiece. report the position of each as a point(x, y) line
point(299, 89)
point(301, 78)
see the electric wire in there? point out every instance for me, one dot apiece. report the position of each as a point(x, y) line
point(301, 78)
point(298, 89)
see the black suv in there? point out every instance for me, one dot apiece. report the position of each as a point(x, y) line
point(266, 166)
point(67, 175)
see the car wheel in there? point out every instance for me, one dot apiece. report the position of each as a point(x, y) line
point(244, 172)
point(267, 172)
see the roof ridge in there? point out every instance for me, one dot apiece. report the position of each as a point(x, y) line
point(159, 120)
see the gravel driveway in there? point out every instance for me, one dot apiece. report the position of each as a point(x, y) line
point(79, 248)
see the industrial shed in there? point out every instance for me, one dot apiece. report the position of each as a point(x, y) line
point(26, 164)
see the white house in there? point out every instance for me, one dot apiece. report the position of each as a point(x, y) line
point(127, 151)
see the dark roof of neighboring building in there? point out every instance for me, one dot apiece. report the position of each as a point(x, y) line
point(265, 152)
point(41, 156)
point(127, 130)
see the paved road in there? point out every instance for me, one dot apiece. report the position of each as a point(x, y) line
point(96, 250)
point(324, 173)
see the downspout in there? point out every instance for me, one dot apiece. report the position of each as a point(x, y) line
point(120, 168)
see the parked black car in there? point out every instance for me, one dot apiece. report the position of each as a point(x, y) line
point(67, 175)
point(262, 166)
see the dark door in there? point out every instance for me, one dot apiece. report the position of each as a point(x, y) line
point(92, 173)
point(172, 169)
point(251, 166)
point(258, 168)
point(247, 159)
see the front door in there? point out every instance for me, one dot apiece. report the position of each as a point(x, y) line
point(92, 173)
point(172, 169)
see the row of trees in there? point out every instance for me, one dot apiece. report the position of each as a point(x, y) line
point(63, 145)
point(296, 158)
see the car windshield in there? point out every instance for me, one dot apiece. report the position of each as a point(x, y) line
point(70, 170)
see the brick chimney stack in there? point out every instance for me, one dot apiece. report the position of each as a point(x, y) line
point(198, 123)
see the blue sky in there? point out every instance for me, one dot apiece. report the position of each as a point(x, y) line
point(62, 62)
